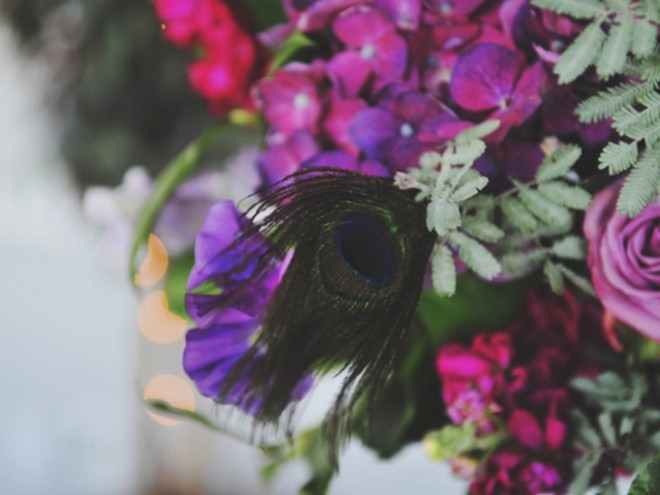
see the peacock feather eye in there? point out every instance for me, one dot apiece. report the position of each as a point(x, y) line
point(360, 251)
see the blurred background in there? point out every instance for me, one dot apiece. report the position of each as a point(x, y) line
point(89, 92)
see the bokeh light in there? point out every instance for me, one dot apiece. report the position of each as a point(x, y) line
point(172, 389)
point(156, 322)
point(155, 265)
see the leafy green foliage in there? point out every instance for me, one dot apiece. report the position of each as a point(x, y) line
point(621, 40)
point(292, 46)
point(617, 423)
point(648, 481)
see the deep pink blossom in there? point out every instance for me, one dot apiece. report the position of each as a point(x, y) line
point(285, 154)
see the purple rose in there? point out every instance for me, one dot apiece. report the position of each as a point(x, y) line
point(624, 257)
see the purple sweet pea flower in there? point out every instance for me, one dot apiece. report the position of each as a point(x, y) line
point(624, 257)
point(226, 301)
point(369, 34)
point(401, 128)
point(491, 77)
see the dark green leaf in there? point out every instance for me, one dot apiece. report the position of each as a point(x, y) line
point(648, 481)
point(296, 42)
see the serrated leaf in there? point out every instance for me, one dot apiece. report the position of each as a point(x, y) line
point(648, 481)
point(469, 189)
point(631, 122)
point(476, 256)
point(543, 208)
point(607, 102)
point(626, 426)
point(583, 469)
point(558, 163)
point(174, 174)
point(554, 277)
point(518, 263)
point(430, 159)
point(615, 48)
point(570, 196)
point(607, 428)
point(644, 38)
point(641, 186)
point(442, 216)
point(478, 131)
point(618, 157)
point(519, 214)
point(443, 271)
point(581, 54)
point(578, 280)
point(571, 247)
point(463, 152)
point(580, 9)
point(482, 229)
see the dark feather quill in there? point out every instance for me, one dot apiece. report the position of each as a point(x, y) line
point(349, 294)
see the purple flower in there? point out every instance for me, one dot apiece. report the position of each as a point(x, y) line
point(315, 14)
point(346, 161)
point(624, 257)
point(403, 127)
point(340, 112)
point(371, 41)
point(492, 78)
point(290, 99)
point(226, 301)
point(453, 8)
point(285, 154)
point(404, 13)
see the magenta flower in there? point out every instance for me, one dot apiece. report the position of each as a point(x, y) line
point(346, 161)
point(227, 316)
point(336, 122)
point(290, 99)
point(404, 13)
point(403, 127)
point(179, 19)
point(309, 15)
point(492, 78)
point(372, 43)
point(624, 257)
point(453, 8)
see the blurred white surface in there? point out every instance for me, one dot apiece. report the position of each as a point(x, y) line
point(73, 364)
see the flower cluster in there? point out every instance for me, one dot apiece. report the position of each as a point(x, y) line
point(401, 78)
point(230, 58)
point(516, 380)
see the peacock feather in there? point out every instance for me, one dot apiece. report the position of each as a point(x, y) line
point(360, 251)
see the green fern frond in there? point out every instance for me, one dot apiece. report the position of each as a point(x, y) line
point(580, 9)
point(641, 185)
point(634, 123)
point(616, 46)
point(563, 194)
point(558, 163)
point(544, 208)
point(617, 157)
point(644, 38)
point(581, 54)
point(607, 102)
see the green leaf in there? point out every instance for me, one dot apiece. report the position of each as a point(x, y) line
point(607, 428)
point(462, 152)
point(176, 279)
point(558, 163)
point(570, 196)
point(572, 247)
point(517, 263)
point(584, 468)
point(469, 189)
point(175, 173)
point(581, 54)
point(482, 229)
point(442, 216)
point(580, 9)
point(613, 56)
point(545, 209)
point(519, 214)
point(641, 185)
point(644, 38)
point(618, 157)
point(648, 481)
point(578, 280)
point(475, 256)
point(443, 271)
point(450, 441)
point(630, 121)
point(607, 102)
point(295, 43)
point(554, 277)
point(478, 131)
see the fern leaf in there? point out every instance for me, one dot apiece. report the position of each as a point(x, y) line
point(613, 57)
point(577, 280)
point(581, 54)
point(476, 256)
point(571, 247)
point(606, 103)
point(518, 214)
point(543, 208)
point(580, 9)
point(633, 123)
point(482, 229)
point(643, 38)
point(618, 157)
point(558, 163)
point(641, 186)
point(570, 196)
point(554, 277)
point(443, 271)
point(517, 263)
point(652, 134)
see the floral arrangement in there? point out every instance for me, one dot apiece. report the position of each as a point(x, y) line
point(457, 209)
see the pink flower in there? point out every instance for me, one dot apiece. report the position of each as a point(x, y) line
point(624, 257)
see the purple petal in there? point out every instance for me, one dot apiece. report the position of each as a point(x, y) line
point(284, 157)
point(336, 159)
point(404, 13)
point(361, 26)
point(349, 71)
point(484, 77)
point(391, 57)
point(372, 129)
